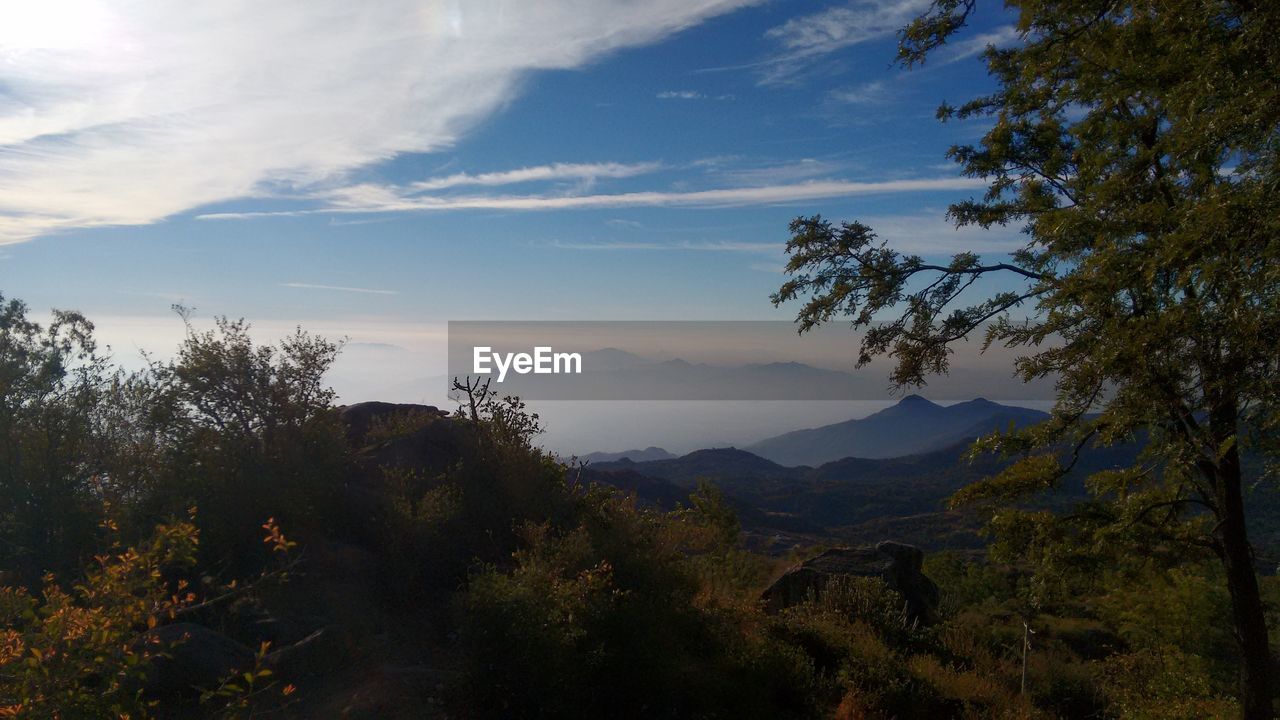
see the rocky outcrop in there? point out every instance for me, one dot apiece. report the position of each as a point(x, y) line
point(359, 418)
point(898, 565)
point(419, 441)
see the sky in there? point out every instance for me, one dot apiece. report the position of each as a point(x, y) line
point(373, 170)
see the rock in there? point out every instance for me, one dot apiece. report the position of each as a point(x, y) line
point(429, 446)
point(419, 450)
point(360, 417)
point(196, 658)
point(898, 565)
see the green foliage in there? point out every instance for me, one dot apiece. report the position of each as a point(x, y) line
point(608, 619)
point(442, 525)
point(1135, 143)
point(1025, 477)
point(52, 382)
point(87, 651)
point(244, 431)
point(567, 599)
point(240, 695)
point(1182, 609)
point(870, 601)
point(710, 508)
point(1162, 683)
point(84, 652)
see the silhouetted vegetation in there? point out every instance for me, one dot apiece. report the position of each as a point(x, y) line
point(443, 561)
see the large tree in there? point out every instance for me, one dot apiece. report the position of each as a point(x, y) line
point(1136, 144)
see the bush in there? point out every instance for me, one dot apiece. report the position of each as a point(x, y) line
point(244, 431)
point(82, 653)
point(609, 619)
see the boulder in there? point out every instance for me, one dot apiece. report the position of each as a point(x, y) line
point(898, 565)
point(421, 450)
point(195, 658)
point(360, 417)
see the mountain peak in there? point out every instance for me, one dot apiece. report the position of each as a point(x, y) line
point(914, 399)
point(979, 402)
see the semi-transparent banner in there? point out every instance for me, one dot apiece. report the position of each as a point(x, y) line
point(704, 360)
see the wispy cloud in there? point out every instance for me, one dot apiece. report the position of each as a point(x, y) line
point(963, 48)
point(776, 173)
point(805, 39)
point(119, 112)
point(556, 171)
point(371, 198)
point(680, 95)
point(338, 288)
point(872, 93)
point(690, 95)
point(699, 246)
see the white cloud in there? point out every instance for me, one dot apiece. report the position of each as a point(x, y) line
point(807, 38)
point(373, 198)
point(967, 47)
point(557, 171)
point(119, 112)
point(338, 288)
point(680, 95)
point(691, 95)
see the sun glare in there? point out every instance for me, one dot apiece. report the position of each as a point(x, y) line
point(54, 25)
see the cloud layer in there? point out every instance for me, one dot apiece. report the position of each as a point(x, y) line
point(376, 198)
point(117, 112)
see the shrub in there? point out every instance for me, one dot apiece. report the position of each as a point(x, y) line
point(82, 653)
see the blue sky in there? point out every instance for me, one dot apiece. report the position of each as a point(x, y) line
point(375, 171)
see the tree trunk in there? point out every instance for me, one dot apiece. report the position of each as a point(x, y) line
point(1242, 582)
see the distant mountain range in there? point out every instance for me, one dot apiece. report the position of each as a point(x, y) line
point(852, 500)
point(915, 425)
point(891, 476)
point(645, 455)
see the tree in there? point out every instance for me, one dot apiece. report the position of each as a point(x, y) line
point(52, 382)
point(245, 431)
point(1135, 142)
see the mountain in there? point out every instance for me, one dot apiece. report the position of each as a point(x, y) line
point(611, 358)
point(645, 455)
point(726, 466)
point(914, 425)
point(852, 500)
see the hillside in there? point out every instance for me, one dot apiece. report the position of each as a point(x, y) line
point(852, 499)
